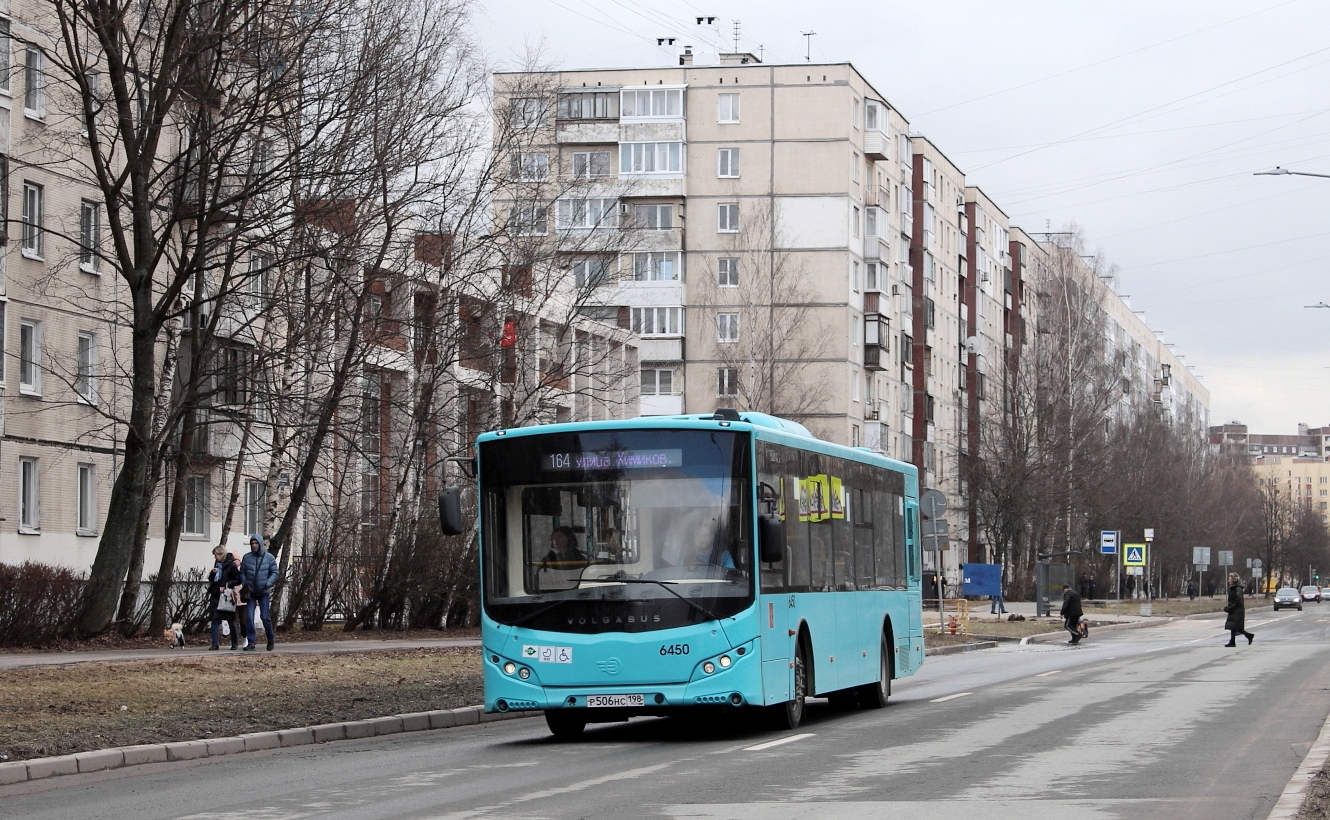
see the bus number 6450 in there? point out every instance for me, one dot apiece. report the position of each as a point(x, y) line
point(674, 649)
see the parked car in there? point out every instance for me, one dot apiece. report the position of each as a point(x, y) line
point(1288, 596)
point(1311, 593)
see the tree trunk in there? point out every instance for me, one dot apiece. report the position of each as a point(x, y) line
point(161, 590)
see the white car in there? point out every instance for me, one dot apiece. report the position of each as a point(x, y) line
point(1288, 596)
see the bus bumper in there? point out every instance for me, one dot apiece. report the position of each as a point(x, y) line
point(739, 684)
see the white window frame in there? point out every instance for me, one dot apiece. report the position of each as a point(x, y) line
point(647, 217)
point(4, 343)
point(727, 163)
point(855, 275)
point(256, 284)
point(663, 102)
point(655, 389)
point(856, 217)
point(34, 207)
point(727, 108)
point(85, 513)
point(872, 280)
point(90, 231)
point(587, 213)
point(85, 369)
point(530, 220)
point(727, 217)
point(658, 266)
point(30, 383)
point(34, 83)
point(871, 220)
point(529, 166)
point(6, 55)
point(651, 158)
point(727, 272)
point(588, 161)
point(592, 272)
point(855, 162)
point(194, 523)
point(256, 500)
point(655, 322)
point(29, 495)
point(727, 382)
point(527, 112)
point(727, 328)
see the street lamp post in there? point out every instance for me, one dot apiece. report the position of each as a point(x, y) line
point(1283, 172)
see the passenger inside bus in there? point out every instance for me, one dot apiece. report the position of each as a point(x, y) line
point(563, 548)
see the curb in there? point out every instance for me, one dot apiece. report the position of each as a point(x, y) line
point(957, 649)
point(1290, 802)
point(40, 768)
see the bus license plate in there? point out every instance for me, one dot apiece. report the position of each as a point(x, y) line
point(593, 701)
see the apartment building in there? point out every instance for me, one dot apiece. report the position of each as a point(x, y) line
point(1309, 443)
point(1305, 481)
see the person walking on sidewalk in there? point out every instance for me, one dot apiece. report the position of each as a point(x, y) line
point(1071, 613)
point(224, 580)
point(258, 571)
point(1237, 612)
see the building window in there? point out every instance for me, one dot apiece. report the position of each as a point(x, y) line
point(653, 217)
point(727, 382)
point(872, 116)
point(257, 283)
point(657, 321)
point(854, 435)
point(529, 220)
point(871, 280)
point(587, 214)
point(651, 158)
point(34, 84)
point(727, 272)
point(85, 378)
point(196, 506)
point(870, 221)
point(660, 266)
point(529, 167)
point(727, 163)
point(658, 381)
point(3, 351)
point(727, 327)
point(727, 217)
point(856, 218)
point(589, 105)
point(5, 48)
point(592, 272)
point(90, 229)
point(591, 164)
point(651, 102)
point(854, 167)
point(29, 495)
point(30, 357)
point(32, 220)
point(526, 112)
point(256, 493)
point(86, 523)
point(727, 108)
point(855, 280)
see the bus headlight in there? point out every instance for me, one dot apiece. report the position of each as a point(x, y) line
point(708, 667)
point(524, 673)
point(724, 661)
point(509, 667)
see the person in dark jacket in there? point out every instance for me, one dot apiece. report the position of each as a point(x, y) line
point(225, 577)
point(1237, 612)
point(258, 573)
point(1071, 613)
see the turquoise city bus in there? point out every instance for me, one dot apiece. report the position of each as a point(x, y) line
point(644, 566)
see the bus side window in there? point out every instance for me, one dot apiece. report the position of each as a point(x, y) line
point(861, 510)
point(884, 538)
point(912, 540)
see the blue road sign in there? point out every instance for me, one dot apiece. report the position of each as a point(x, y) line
point(1108, 542)
point(981, 579)
point(1135, 556)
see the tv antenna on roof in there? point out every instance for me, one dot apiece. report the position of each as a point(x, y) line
point(808, 45)
point(736, 36)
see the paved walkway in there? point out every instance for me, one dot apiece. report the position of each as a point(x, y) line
point(21, 661)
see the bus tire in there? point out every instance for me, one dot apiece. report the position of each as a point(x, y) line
point(790, 714)
point(876, 695)
point(565, 724)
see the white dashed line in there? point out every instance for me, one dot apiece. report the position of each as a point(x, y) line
point(950, 697)
point(778, 742)
point(1046, 674)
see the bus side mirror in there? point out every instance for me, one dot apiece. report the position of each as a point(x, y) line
point(450, 511)
point(771, 538)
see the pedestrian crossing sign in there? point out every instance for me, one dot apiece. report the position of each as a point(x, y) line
point(1133, 555)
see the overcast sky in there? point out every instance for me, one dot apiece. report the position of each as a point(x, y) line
point(1140, 121)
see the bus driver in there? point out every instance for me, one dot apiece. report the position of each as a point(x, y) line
point(563, 548)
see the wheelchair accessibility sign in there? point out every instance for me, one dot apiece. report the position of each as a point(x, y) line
point(1133, 555)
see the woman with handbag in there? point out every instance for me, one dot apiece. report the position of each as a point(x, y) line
point(223, 583)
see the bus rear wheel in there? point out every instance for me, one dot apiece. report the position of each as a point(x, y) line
point(790, 714)
point(876, 695)
point(565, 724)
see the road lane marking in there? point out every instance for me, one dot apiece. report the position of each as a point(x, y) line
point(1290, 802)
point(950, 697)
point(778, 742)
point(1046, 674)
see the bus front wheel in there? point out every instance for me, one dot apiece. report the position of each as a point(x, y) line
point(565, 724)
point(876, 695)
point(790, 714)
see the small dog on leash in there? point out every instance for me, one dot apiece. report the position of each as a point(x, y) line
point(176, 635)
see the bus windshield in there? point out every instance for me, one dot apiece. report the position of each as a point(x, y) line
point(616, 530)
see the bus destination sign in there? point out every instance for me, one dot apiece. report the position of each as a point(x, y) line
point(611, 460)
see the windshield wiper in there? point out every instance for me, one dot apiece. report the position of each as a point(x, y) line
point(532, 615)
point(665, 585)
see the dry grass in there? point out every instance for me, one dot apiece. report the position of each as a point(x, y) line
point(64, 709)
point(1316, 805)
point(113, 640)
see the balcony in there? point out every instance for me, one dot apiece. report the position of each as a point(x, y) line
point(877, 145)
point(876, 358)
point(659, 350)
point(876, 248)
point(584, 132)
point(670, 405)
point(652, 186)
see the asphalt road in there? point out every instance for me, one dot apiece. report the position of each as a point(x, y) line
point(1150, 723)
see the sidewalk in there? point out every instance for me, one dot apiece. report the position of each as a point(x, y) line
point(25, 660)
